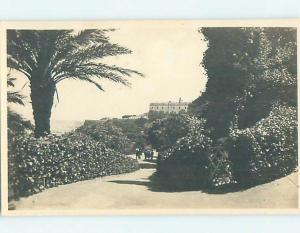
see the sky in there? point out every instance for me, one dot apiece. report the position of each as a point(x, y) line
point(169, 56)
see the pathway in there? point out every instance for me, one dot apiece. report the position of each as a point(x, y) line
point(135, 191)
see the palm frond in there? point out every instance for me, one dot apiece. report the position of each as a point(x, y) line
point(85, 55)
point(15, 97)
point(55, 55)
point(90, 80)
point(98, 71)
point(16, 65)
point(10, 81)
point(124, 71)
point(88, 36)
point(71, 43)
point(22, 47)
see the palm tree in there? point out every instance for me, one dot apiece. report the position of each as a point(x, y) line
point(47, 57)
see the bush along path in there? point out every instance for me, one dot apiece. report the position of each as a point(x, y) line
point(139, 190)
point(38, 164)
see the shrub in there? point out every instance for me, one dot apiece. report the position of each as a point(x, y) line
point(134, 130)
point(16, 123)
point(193, 161)
point(155, 115)
point(16, 126)
point(56, 160)
point(106, 133)
point(268, 150)
point(186, 164)
point(164, 133)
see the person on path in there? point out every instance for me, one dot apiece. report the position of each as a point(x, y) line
point(137, 153)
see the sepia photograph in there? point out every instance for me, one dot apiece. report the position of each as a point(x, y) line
point(150, 116)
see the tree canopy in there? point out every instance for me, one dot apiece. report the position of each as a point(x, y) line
point(47, 57)
point(248, 70)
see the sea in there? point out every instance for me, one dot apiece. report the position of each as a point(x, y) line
point(63, 126)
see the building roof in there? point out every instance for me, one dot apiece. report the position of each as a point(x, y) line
point(170, 104)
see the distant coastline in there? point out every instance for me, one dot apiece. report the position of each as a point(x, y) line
point(64, 126)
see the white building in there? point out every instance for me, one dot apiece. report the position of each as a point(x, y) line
point(169, 107)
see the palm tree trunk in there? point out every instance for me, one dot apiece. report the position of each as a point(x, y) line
point(42, 95)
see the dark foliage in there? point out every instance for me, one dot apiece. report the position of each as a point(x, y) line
point(193, 161)
point(268, 150)
point(37, 164)
point(16, 123)
point(135, 130)
point(248, 70)
point(107, 133)
point(155, 115)
point(123, 135)
point(164, 132)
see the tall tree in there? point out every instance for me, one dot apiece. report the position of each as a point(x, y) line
point(226, 80)
point(271, 73)
point(248, 70)
point(47, 57)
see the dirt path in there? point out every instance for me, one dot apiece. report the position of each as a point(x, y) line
point(133, 191)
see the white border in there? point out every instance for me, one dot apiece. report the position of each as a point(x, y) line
point(109, 23)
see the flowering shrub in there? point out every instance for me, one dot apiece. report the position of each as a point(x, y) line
point(55, 160)
point(186, 163)
point(164, 133)
point(267, 150)
point(106, 133)
point(192, 161)
point(134, 130)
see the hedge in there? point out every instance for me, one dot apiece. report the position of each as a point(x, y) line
point(194, 161)
point(37, 164)
point(164, 133)
point(107, 133)
point(268, 150)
